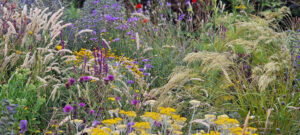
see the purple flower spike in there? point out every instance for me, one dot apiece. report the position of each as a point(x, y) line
point(146, 74)
point(68, 108)
point(148, 66)
point(23, 126)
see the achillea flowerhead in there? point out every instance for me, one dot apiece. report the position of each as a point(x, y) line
point(68, 108)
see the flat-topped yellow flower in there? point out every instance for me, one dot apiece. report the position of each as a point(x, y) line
point(167, 111)
point(142, 125)
point(152, 115)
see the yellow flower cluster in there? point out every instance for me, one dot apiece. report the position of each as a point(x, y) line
point(152, 115)
point(142, 126)
point(227, 125)
point(178, 119)
point(80, 55)
point(100, 131)
point(131, 114)
point(112, 121)
point(167, 111)
point(241, 7)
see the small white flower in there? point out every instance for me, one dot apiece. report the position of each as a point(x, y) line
point(195, 103)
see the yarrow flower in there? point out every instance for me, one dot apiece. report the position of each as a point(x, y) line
point(68, 108)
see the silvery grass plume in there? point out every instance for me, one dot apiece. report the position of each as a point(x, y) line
point(212, 60)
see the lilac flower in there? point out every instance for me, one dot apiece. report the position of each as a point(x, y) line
point(116, 39)
point(23, 126)
point(148, 66)
point(96, 2)
point(129, 125)
point(81, 104)
point(95, 123)
point(141, 69)
point(111, 58)
point(146, 74)
point(181, 17)
point(72, 81)
point(117, 98)
point(129, 66)
point(110, 78)
point(130, 82)
point(168, 4)
point(134, 102)
point(103, 30)
point(85, 79)
point(68, 108)
point(145, 60)
point(157, 124)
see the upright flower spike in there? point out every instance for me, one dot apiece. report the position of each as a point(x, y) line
point(23, 126)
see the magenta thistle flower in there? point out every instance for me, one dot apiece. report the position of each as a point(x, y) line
point(110, 78)
point(92, 112)
point(68, 108)
point(118, 98)
point(81, 104)
point(134, 102)
point(85, 79)
point(72, 81)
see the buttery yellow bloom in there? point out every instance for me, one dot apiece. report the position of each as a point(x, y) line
point(59, 47)
point(142, 125)
point(152, 115)
point(168, 111)
point(112, 99)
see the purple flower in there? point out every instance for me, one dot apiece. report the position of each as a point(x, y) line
point(68, 85)
point(145, 60)
point(148, 66)
point(117, 98)
point(95, 123)
point(85, 79)
point(129, 66)
point(157, 124)
point(111, 58)
point(141, 69)
point(116, 39)
point(81, 104)
point(23, 126)
point(146, 74)
point(110, 78)
point(129, 125)
point(72, 81)
point(96, 2)
point(134, 102)
point(181, 17)
point(168, 4)
point(92, 112)
point(68, 108)
point(103, 30)
point(130, 82)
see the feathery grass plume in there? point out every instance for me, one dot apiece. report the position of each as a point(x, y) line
point(177, 79)
point(84, 31)
point(212, 60)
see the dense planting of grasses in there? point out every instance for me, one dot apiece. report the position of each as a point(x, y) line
point(149, 67)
